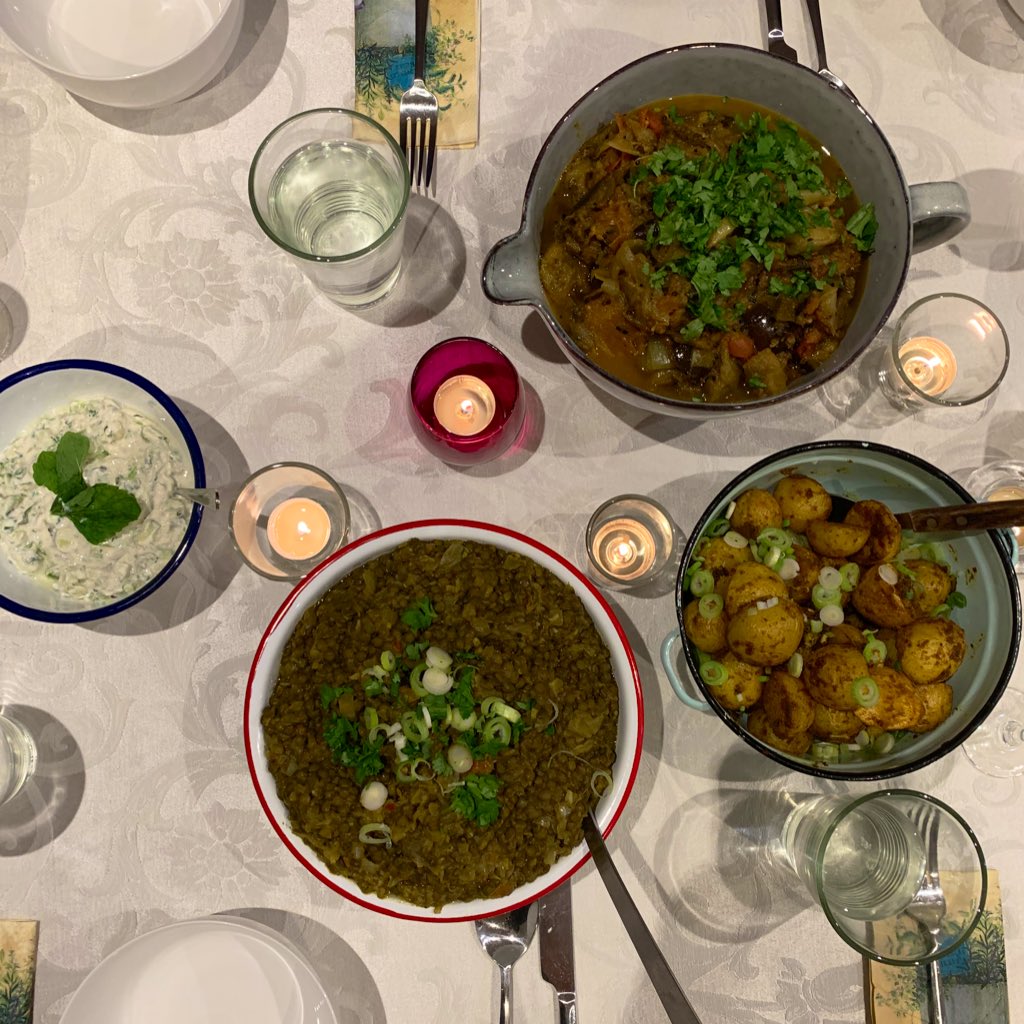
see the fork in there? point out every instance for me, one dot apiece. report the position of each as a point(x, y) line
point(418, 109)
point(928, 907)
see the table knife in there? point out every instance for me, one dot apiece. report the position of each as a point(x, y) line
point(557, 964)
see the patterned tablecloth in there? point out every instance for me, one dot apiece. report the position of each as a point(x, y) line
point(127, 236)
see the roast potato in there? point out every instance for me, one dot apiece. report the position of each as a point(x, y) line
point(931, 583)
point(741, 688)
point(829, 673)
point(884, 533)
point(882, 602)
point(766, 636)
point(834, 725)
point(801, 585)
point(707, 635)
point(758, 725)
point(836, 540)
point(755, 511)
point(750, 582)
point(937, 699)
point(898, 706)
point(931, 650)
point(801, 500)
point(787, 704)
point(720, 558)
point(844, 633)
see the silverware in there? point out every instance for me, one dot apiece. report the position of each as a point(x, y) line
point(776, 40)
point(418, 109)
point(814, 14)
point(505, 939)
point(672, 997)
point(200, 495)
point(928, 907)
point(976, 515)
point(557, 966)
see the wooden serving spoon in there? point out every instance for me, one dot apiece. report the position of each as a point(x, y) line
point(978, 515)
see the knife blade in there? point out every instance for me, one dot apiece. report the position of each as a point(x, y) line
point(557, 963)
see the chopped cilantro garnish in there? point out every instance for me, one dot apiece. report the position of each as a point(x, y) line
point(863, 225)
point(420, 615)
point(477, 799)
point(329, 694)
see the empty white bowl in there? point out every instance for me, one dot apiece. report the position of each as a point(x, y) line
point(126, 53)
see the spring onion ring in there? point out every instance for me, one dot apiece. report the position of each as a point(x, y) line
point(375, 834)
point(864, 691)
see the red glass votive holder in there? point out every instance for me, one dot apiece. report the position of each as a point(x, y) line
point(466, 401)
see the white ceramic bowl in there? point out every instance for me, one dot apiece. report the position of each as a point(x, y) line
point(31, 393)
point(126, 53)
point(263, 675)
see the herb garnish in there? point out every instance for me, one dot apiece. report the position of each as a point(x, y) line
point(99, 511)
point(477, 799)
point(420, 615)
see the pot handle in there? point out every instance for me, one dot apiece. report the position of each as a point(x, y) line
point(939, 210)
point(668, 662)
point(510, 271)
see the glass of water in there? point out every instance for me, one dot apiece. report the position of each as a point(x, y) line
point(331, 188)
point(17, 756)
point(865, 860)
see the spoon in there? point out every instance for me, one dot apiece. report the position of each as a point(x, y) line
point(777, 44)
point(978, 515)
point(200, 495)
point(505, 939)
point(814, 13)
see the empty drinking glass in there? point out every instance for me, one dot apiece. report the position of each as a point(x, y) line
point(17, 755)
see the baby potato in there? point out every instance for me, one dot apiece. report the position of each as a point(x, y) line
point(720, 558)
point(884, 533)
point(898, 706)
point(931, 650)
point(845, 633)
point(836, 540)
point(766, 636)
point(707, 635)
point(829, 673)
point(931, 584)
point(834, 725)
point(787, 704)
point(882, 602)
point(749, 582)
point(759, 726)
point(756, 510)
point(801, 500)
point(801, 585)
point(741, 688)
point(937, 699)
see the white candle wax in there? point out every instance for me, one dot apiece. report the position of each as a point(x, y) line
point(464, 405)
point(623, 548)
point(929, 364)
point(298, 529)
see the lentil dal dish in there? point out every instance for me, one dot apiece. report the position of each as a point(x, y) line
point(443, 718)
point(704, 248)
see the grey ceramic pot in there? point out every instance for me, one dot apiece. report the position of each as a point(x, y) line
point(910, 218)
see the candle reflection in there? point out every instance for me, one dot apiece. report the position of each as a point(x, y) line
point(929, 364)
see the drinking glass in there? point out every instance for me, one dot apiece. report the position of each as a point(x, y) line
point(864, 860)
point(996, 747)
point(331, 188)
point(17, 756)
point(1002, 481)
point(629, 541)
point(946, 350)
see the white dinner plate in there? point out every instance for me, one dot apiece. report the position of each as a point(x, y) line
point(207, 971)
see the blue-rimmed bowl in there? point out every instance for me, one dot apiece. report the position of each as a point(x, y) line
point(30, 394)
point(983, 562)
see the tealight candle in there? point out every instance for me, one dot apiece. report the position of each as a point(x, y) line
point(629, 540)
point(929, 364)
point(464, 405)
point(298, 528)
point(623, 548)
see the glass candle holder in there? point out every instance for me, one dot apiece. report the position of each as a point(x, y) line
point(629, 541)
point(946, 350)
point(287, 518)
point(466, 401)
point(1002, 481)
point(17, 756)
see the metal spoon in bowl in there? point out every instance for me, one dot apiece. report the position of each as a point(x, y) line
point(505, 939)
point(814, 14)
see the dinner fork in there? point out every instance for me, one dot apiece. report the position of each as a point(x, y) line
point(418, 109)
point(928, 907)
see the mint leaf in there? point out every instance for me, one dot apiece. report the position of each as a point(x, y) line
point(72, 450)
point(101, 511)
point(44, 471)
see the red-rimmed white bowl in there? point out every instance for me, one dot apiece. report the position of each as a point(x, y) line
point(263, 675)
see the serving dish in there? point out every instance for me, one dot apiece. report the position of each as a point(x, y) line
point(263, 674)
point(27, 395)
point(126, 53)
point(910, 218)
point(991, 617)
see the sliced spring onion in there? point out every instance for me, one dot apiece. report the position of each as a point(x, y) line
point(459, 757)
point(789, 569)
point(496, 706)
point(830, 577)
point(850, 575)
point(729, 511)
point(375, 834)
point(773, 558)
point(735, 540)
point(438, 657)
point(498, 730)
point(884, 743)
point(888, 574)
point(377, 731)
point(864, 691)
point(874, 651)
point(437, 682)
point(388, 661)
point(702, 583)
point(416, 679)
point(410, 771)
point(957, 600)
point(717, 527)
point(376, 671)
point(817, 625)
point(606, 777)
point(827, 752)
point(460, 724)
point(773, 537)
point(940, 610)
point(863, 738)
point(413, 727)
point(714, 673)
point(370, 717)
point(795, 665)
point(821, 596)
point(768, 602)
point(832, 614)
point(374, 795)
point(710, 606)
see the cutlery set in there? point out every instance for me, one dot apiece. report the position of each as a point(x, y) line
point(417, 111)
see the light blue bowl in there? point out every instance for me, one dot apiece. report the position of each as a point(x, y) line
point(27, 395)
point(984, 563)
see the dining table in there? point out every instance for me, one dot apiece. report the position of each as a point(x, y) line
point(127, 236)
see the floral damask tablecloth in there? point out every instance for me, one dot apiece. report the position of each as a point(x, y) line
point(127, 236)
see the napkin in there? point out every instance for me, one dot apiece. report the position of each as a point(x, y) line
point(973, 978)
point(385, 31)
point(18, 941)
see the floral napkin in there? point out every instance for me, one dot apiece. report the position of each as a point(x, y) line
point(973, 978)
point(18, 942)
point(385, 62)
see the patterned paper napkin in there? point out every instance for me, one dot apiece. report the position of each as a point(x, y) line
point(385, 61)
point(18, 942)
point(973, 978)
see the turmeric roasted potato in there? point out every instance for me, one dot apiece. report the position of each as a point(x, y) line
point(931, 584)
point(830, 672)
point(884, 533)
point(898, 705)
point(768, 635)
point(937, 699)
point(884, 596)
point(801, 585)
point(707, 635)
point(801, 500)
point(720, 558)
point(787, 704)
point(741, 687)
point(758, 725)
point(834, 725)
point(836, 540)
point(931, 650)
point(756, 510)
point(751, 582)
